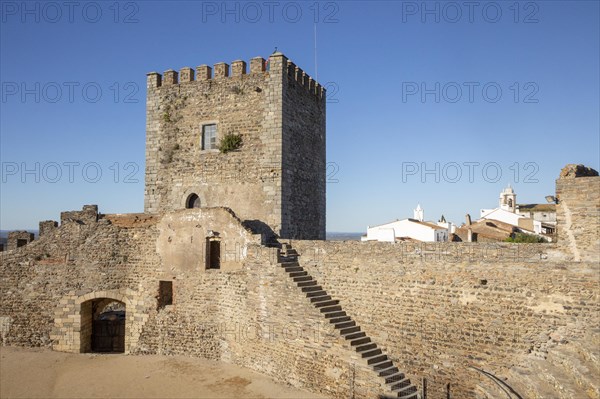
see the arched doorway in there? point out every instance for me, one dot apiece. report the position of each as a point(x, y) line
point(193, 201)
point(103, 325)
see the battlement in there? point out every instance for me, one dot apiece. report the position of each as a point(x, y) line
point(237, 69)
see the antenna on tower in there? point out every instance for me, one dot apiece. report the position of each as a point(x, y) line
point(316, 68)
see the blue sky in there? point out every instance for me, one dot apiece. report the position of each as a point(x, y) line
point(507, 92)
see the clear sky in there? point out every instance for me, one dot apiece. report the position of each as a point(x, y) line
point(437, 103)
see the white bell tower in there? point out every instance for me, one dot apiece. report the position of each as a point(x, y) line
point(418, 213)
point(508, 199)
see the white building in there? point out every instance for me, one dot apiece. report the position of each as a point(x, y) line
point(415, 229)
point(507, 213)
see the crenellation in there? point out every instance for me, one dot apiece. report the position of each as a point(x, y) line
point(238, 68)
point(47, 226)
point(221, 70)
point(311, 85)
point(203, 72)
point(153, 79)
point(186, 74)
point(170, 77)
point(257, 65)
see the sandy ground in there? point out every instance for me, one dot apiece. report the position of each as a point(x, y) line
point(42, 373)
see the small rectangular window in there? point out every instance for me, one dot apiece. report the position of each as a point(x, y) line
point(21, 242)
point(213, 254)
point(209, 137)
point(165, 293)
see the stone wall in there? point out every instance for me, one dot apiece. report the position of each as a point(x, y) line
point(578, 217)
point(280, 129)
point(249, 312)
point(440, 310)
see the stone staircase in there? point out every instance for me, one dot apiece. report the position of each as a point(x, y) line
point(397, 384)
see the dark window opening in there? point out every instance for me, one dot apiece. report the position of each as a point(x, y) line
point(193, 201)
point(213, 254)
point(21, 242)
point(165, 294)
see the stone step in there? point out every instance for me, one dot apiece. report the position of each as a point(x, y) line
point(312, 288)
point(400, 386)
point(291, 269)
point(382, 366)
point(326, 303)
point(316, 293)
point(345, 324)
point(376, 359)
point(320, 298)
point(371, 353)
point(303, 278)
point(298, 274)
point(388, 371)
point(340, 319)
point(411, 395)
point(393, 378)
point(289, 262)
point(335, 314)
point(349, 330)
point(360, 341)
point(407, 391)
point(306, 283)
point(362, 348)
point(329, 309)
point(355, 335)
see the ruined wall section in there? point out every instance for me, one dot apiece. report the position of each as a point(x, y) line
point(439, 310)
point(304, 155)
point(41, 282)
point(246, 180)
point(578, 217)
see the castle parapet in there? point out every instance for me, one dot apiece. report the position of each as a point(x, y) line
point(47, 226)
point(238, 69)
point(88, 215)
point(17, 239)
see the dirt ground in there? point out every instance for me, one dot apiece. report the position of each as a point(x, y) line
point(42, 373)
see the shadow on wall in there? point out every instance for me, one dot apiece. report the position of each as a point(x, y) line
point(260, 227)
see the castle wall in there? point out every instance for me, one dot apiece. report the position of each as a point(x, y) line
point(249, 312)
point(436, 309)
point(441, 309)
point(578, 217)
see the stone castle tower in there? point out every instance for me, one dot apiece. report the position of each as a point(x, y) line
point(275, 181)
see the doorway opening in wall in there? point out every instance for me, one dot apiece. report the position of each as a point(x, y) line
point(103, 326)
point(21, 242)
point(213, 253)
point(193, 201)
